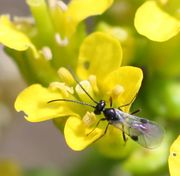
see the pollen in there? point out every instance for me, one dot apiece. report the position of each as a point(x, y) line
point(89, 119)
point(66, 76)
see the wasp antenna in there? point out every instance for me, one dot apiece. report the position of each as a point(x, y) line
point(76, 79)
point(72, 101)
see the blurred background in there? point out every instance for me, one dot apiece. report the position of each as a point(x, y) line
point(39, 149)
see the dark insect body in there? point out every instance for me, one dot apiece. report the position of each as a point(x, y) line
point(145, 132)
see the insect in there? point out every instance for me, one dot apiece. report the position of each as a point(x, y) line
point(145, 132)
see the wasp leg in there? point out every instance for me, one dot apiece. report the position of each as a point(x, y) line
point(103, 133)
point(103, 119)
point(110, 101)
point(128, 103)
point(136, 111)
point(124, 135)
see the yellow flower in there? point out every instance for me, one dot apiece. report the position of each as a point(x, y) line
point(174, 158)
point(40, 43)
point(75, 12)
point(12, 38)
point(154, 23)
point(101, 76)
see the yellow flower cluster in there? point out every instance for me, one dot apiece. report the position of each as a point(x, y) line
point(45, 46)
point(102, 77)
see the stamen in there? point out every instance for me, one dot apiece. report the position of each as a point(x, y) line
point(82, 95)
point(66, 76)
point(52, 3)
point(60, 41)
point(62, 5)
point(46, 51)
point(93, 81)
point(89, 119)
point(65, 90)
point(120, 33)
point(116, 91)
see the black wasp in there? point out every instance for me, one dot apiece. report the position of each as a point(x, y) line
point(145, 132)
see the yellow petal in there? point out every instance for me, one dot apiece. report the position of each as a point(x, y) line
point(12, 38)
point(33, 101)
point(152, 22)
point(174, 158)
point(129, 79)
point(78, 10)
point(76, 131)
point(100, 54)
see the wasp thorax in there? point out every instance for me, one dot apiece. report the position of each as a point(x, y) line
point(110, 114)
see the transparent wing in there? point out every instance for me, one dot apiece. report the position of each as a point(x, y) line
point(145, 132)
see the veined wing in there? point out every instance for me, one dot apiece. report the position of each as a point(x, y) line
point(145, 132)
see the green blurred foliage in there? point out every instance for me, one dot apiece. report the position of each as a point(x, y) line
point(42, 172)
point(159, 97)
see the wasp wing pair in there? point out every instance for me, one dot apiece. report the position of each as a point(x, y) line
point(145, 132)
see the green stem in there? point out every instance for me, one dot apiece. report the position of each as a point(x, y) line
point(41, 69)
point(18, 58)
point(43, 21)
